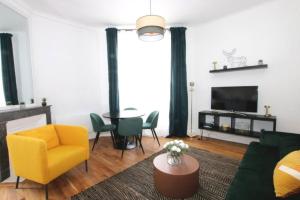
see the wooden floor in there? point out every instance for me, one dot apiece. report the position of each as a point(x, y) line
point(104, 163)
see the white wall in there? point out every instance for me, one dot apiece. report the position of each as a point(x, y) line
point(270, 32)
point(67, 69)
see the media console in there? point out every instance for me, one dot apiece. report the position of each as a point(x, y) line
point(231, 128)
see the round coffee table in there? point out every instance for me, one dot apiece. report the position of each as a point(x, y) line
point(179, 181)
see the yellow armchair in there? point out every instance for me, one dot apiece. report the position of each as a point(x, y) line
point(44, 153)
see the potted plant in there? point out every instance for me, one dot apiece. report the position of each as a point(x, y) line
point(175, 149)
point(44, 102)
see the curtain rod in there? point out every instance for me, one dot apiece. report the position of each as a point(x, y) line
point(133, 29)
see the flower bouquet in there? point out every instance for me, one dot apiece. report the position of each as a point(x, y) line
point(175, 149)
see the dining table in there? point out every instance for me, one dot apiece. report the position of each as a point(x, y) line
point(115, 117)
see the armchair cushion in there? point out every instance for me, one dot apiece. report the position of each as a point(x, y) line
point(46, 133)
point(70, 155)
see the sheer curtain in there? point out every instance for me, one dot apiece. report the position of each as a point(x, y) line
point(144, 76)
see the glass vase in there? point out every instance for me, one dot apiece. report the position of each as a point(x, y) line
point(173, 159)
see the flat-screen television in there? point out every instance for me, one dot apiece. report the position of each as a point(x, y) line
point(241, 98)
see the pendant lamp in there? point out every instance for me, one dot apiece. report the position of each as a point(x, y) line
point(150, 27)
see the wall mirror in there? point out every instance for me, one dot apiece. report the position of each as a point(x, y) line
point(15, 61)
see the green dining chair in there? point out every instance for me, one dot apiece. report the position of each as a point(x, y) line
point(131, 127)
point(130, 108)
point(151, 123)
point(99, 126)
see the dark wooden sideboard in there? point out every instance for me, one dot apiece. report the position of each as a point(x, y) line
point(13, 114)
point(216, 126)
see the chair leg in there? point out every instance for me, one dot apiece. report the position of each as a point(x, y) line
point(112, 138)
point(140, 140)
point(124, 145)
point(86, 166)
point(96, 140)
point(136, 140)
point(141, 136)
point(152, 134)
point(17, 183)
point(46, 191)
point(156, 136)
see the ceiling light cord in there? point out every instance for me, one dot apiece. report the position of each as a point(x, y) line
point(150, 7)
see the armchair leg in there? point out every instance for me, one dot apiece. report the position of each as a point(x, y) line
point(156, 136)
point(17, 183)
point(46, 191)
point(96, 140)
point(86, 166)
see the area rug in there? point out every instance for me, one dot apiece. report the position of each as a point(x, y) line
point(136, 182)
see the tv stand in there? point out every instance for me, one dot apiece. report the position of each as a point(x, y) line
point(231, 129)
point(239, 113)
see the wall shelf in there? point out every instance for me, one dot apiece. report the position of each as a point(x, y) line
point(239, 68)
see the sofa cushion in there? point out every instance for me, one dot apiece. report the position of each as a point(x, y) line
point(288, 145)
point(254, 177)
point(46, 133)
point(251, 185)
point(63, 158)
point(260, 158)
point(270, 138)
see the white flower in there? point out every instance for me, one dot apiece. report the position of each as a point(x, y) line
point(174, 148)
point(178, 150)
point(182, 145)
point(186, 146)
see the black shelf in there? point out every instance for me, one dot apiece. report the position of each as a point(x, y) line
point(239, 68)
point(215, 126)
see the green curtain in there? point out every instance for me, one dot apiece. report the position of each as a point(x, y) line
point(178, 115)
point(112, 58)
point(8, 70)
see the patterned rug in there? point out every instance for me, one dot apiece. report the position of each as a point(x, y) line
point(136, 182)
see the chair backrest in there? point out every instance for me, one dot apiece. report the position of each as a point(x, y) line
point(130, 108)
point(130, 126)
point(153, 119)
point(97, 122)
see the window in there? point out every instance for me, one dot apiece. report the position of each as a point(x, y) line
point(144, 76)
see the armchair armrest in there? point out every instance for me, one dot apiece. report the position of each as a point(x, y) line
point(29, 157)
point(73, 135)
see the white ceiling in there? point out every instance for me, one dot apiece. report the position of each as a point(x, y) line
point(11, 20)
point(125, 12)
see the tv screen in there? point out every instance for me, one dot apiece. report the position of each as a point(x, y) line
point(242, 98)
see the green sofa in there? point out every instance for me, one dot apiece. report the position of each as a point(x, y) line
point(254, 178)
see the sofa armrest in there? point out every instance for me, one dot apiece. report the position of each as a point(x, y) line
point(29, 157)
point(73, 135)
